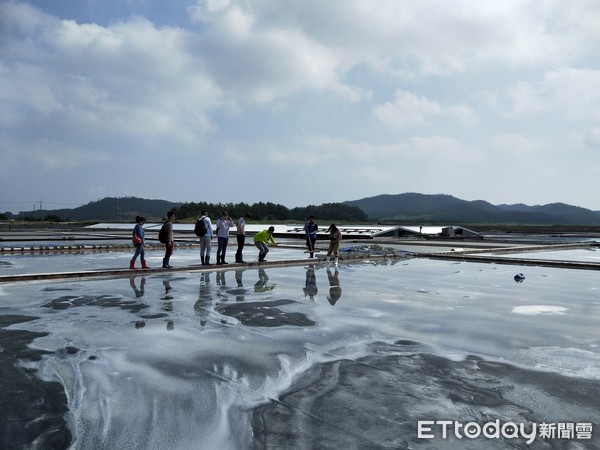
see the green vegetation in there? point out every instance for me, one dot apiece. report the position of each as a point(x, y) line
point(125, 209)
point(403, 209)
point(440, 209)
point(273, 212)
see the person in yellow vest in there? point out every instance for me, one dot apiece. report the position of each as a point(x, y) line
point(261, 239)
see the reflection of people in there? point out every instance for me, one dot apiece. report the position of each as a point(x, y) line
point(138, 242)
point(310, 228)
point(310, 284)
point(221, 279)
point(261, 239)
point(335, 291)
point(240, 293)
point(239, 277)
point(224, 223)
point(261, 284)
point(241, 237)
point(138, 292)
point(205, 240)
point(167, 304)
point(202, 306)
point(167, 286)
point(169, 245)
point(335, 237)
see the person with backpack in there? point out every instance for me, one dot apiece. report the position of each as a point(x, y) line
point(168, 239)
point(241, 237)
point(203, 230)
point(138, 242)
point(223, 226)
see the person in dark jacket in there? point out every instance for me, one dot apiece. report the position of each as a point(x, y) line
point(170, 245)
point(138, 242)
point(311, 228)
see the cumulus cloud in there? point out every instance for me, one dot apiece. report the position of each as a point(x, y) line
point(574, 92)
point(408, 110)
point(425, 89)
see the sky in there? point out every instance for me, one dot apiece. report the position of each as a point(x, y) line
point(298, 102)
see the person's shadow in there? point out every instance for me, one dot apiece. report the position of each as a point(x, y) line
point(335, 291)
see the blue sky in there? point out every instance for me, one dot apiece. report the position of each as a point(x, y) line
point(298, 102)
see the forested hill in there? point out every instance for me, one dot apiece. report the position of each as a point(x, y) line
point(446, 209)
point(408, 208)
point(125, 209)
point(113, 209)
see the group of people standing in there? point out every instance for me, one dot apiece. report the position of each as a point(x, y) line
point(205, 233)
point(224, 223)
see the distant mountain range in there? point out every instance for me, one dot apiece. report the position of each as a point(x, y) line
point(113, 209)
point(413, 208)
point(422, 208)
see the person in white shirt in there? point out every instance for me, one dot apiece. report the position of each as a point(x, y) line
point(241, 237)
point(205, 240)
point(223, 225)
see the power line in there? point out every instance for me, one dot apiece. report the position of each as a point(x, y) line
point(37, 201)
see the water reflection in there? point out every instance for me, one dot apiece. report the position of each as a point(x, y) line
point(310, 283)
point(139, 292)
point(280, 375)
point(239, 291)
point(204, 303)
point(167, 304)
point(221, 279)
point(262, 284)
point(335, 290)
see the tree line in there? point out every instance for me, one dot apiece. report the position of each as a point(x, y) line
point(267, 211)
point(125, 209)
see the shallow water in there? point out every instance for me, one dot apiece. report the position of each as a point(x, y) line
point(301, 357)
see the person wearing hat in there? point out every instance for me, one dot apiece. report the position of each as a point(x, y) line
point(138, 242)
point(261, 239)
point(310, 229)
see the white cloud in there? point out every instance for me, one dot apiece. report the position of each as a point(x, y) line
point(592, 138)
point(573, 92)
point(303, 89)
point(515, 146)
point(130, 81)
point(409, 110)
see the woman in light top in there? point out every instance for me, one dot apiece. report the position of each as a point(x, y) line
point(335, 237)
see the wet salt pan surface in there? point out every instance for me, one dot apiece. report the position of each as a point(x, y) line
point(533, 310)
point(302, 357)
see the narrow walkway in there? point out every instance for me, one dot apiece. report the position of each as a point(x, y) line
point(478, 255)
point(118, 272)
point(475, 255)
